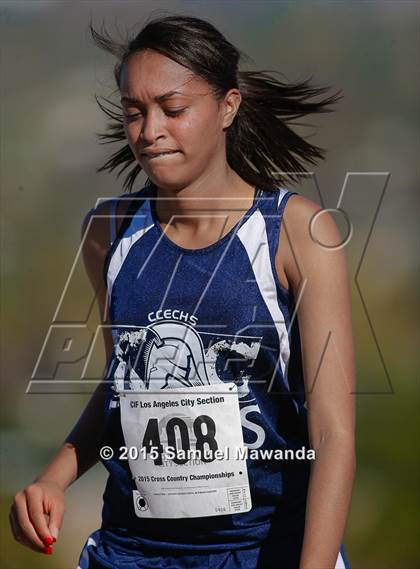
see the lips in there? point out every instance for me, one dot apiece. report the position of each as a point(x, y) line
point(162, 154)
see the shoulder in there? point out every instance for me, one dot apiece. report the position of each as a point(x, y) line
point(309, 223)
point(96, 232)
point(309, 238)
point(97, 222)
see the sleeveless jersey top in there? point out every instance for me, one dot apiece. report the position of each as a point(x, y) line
point(226, 303)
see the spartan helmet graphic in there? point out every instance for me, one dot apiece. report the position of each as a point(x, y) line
point(165, 355)
point(179, 361)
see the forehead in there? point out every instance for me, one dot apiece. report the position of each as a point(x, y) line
point(148, 74)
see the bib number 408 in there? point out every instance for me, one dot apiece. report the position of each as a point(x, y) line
point(205, 441)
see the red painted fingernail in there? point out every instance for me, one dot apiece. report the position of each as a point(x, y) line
point(49, 540)
point(48, 549)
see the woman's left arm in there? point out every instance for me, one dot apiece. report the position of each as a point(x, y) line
point(316, 270)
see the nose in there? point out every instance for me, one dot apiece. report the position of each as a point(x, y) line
point(152, 127)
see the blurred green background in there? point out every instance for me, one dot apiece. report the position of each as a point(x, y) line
point(50, 71)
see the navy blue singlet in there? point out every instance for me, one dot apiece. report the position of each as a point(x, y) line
point(226, 302)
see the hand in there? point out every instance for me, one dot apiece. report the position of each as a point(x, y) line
point(28, 515)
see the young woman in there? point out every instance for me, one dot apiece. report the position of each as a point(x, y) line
point(229, 325)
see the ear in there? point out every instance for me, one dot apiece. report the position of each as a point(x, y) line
point(231, 106)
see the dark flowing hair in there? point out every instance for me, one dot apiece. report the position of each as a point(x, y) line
point(259, 143)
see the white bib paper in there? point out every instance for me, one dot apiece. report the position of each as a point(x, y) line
point(182, 447)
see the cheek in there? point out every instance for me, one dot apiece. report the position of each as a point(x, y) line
point(132, 132)
point(197, 133)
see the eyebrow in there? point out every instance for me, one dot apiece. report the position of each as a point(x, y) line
point(158, 98)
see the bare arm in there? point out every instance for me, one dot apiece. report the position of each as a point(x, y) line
point(79, 452)
point(324, 314)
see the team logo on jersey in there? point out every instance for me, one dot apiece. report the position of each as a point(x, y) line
point(170, 354)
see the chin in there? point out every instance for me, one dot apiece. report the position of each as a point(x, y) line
point(166, 179)
point(165, 182)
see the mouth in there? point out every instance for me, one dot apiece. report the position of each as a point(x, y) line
point(160, 155)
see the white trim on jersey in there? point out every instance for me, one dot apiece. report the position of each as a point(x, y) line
point(282, 193)
point(339, 564)
point(253, 235)
point(139, 226)
point(112, 220)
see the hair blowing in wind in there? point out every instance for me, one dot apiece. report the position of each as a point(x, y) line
point(261, 146)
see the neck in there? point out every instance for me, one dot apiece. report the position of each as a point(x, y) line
point(222, 193)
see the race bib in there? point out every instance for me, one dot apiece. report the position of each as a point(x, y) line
point(184, 451)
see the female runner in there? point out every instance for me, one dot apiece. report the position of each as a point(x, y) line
point(228, 325)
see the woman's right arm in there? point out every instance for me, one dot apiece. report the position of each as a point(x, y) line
point(80, 450)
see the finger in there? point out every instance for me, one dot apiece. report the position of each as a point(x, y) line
point(56, 518)
point(17, 534)
point(26, 528)
point(13, 526)
point(36, 513)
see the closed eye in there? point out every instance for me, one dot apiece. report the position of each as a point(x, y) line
point(169, 113)
point(174, 113)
